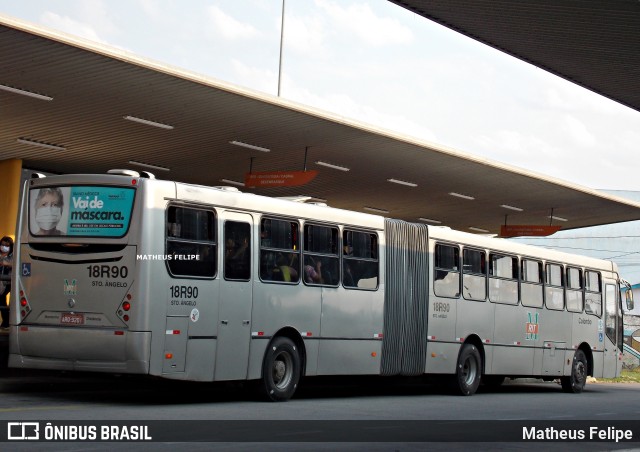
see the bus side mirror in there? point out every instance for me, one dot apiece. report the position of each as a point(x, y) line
point(628, 294)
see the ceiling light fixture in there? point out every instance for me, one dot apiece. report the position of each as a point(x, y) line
point(429, 220)
point(330, 165)
point(148, 123)
point(147, 165)
point(459, 195)
point(249, 146)
point(478, 229)
point(41, 144)
point(232, 182)
point(11, 89)
point(553, 217)
point(402, 182)
point(506, 206)
point(376, 210)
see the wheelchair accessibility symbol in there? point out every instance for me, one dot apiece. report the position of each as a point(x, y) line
point(26, 269)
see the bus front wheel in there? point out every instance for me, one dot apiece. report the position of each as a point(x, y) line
point(468, 371)
point(575, 382)
point(281, 370)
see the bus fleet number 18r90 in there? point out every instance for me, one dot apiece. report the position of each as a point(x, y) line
point(108, 271)
point(184, 291)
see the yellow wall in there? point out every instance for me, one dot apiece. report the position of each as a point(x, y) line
point(10, 175)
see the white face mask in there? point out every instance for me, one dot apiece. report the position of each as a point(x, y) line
point(4, 249)
point(48, 217)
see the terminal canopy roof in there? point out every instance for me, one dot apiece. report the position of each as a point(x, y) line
point(593, 43)
point(87, 90)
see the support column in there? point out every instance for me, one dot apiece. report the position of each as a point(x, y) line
point(10, 176)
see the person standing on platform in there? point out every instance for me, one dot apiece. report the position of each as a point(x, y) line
point(6, 265)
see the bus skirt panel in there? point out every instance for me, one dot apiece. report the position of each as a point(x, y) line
point(81, 349)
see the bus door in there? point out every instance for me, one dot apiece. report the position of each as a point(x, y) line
point(236, 298)
point(612, 364)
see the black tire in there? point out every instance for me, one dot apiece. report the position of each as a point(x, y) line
point(468, 371)
point(281, 369)
point(575, 383)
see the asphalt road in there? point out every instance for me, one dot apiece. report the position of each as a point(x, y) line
point(336, 413)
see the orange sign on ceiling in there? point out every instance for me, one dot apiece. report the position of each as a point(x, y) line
point(279, 178)
point(524, 230)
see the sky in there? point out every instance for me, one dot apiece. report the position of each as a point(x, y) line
point(377, 63)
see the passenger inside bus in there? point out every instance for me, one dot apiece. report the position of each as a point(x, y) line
point(312, 271)
point(288, 270)
point(265, 236)
point(348, 279)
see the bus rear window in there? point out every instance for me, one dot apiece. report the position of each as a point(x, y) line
point(80, 211)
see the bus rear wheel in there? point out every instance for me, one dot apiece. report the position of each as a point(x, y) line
point(468, 371)
point(281, 370)
point(574, 383)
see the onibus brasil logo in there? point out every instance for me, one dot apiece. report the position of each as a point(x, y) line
point(532, 327)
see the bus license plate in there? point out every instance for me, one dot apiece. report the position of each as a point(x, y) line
point(72, 319)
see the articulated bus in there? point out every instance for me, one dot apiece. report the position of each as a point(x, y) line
point(125, 273)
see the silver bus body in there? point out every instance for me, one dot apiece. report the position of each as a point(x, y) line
point(116, 302)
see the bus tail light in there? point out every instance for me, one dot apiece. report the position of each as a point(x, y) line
point(25, 307)
point(124, 308)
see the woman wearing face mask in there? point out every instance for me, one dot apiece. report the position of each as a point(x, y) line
point(6, 264)
point(49, 204)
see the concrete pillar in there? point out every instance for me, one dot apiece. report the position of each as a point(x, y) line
point(10, 176)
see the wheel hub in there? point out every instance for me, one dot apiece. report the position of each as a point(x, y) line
point(279, 370)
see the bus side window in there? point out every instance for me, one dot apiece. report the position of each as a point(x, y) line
point(474, 278)
point(575, 295)
point(447, 271)
point(237, 251)
point(554, 287)
point(360, 267)
point(503, 279)
point(531, 285)
point(611, 306)
point(279, 251)
point(321, 256)
point(191, 242)
point(593, 294)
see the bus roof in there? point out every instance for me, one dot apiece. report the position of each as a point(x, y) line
point(233, 199)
